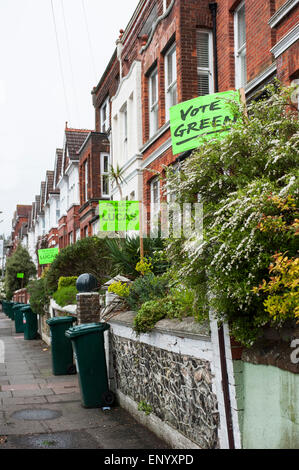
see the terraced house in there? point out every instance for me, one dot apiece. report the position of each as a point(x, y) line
point(170, 51)
point(173, 51)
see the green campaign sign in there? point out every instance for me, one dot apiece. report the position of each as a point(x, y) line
point(47, 256)
point(119, 216)
point(20, 275)
point(195, 121)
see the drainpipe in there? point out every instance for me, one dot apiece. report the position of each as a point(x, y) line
point(225, 385)
point(213, 9)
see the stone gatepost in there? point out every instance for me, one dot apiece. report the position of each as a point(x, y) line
point(88, 308)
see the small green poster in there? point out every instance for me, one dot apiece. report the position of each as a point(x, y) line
point(119, 216)
point(47, 256)
point(20, 275)
point(204, 118)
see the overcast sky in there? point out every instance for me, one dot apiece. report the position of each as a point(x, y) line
point(36, 97)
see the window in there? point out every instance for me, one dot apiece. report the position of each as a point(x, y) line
point(57, 210)
point(125, 121)
point(170, 80)
point(240, 46)
point(153, 102)
point(155, 202)
point(71, 238)
point(95, 227)
point(86, 181)
point(78, 236)
point(105, 175)
point(124, 111)
point(104, 116)
point(204, 49)
point(86, 231)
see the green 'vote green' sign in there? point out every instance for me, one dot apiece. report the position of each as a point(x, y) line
point(20, 275)
point(47, 256)
point(204, 118)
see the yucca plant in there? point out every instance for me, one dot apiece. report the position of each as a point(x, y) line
point(124, 254)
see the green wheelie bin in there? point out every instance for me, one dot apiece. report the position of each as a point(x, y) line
point(89, 352)
point(9, 307)
point(4, 306)
point(61, 346)
point(30, 323)
point(18, 316)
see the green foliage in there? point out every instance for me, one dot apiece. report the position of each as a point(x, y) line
point(120, 289)
point(239, 181)
point(146, 288)
point(145, 407)
point(179, 303)
point(19, 262)
point(67, 281)
point(65, 296)
point(144, 266)
point(39, 296)
point(85, 256)
point(124, 254)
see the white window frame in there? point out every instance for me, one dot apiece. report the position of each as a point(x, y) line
point(86, 180)
point(207, 71)
point(153, 106)
point(105, 174)
point(169, 88)
point(57, 210)
point(104, 122)
point(240, 52)
point(155, 205)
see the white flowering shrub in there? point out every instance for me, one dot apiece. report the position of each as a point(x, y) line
point(238, 180)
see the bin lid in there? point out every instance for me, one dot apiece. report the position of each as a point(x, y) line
point(26, 308)
point(86, 329)
point(59, 320)
point(18, 306)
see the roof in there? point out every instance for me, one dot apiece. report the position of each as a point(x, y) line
point(58, 166)
point(75, 138)
point(23, 211)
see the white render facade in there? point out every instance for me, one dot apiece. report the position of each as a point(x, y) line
point(126, 135)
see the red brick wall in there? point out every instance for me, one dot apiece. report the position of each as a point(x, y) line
point(107, 87)
point(287, 23)
point(288, 65)
point(260, 38)
point(53, 236)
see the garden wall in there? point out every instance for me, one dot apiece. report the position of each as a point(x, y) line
point(171, 372)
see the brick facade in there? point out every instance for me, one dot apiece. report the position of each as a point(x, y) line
point(90, 157)
point(271, 50)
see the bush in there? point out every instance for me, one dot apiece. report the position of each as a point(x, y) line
point(146, 288)
point(178, 304)
point(248, 185)
point(86, 256)
point(39, 296)
point(19, 262)
point(124, 254)
point(67, 282)
point(65, 296)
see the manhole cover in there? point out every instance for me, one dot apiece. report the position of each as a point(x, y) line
point(36, 415)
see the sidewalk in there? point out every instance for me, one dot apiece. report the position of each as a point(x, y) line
point(41, 411)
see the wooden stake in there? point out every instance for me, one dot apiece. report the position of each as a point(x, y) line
point(141, 231)
point(243, 100)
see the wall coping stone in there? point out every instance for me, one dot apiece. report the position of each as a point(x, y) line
point(187, 328)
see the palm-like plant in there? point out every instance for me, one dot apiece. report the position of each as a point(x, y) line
point(116, 175)
point(124, 254)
